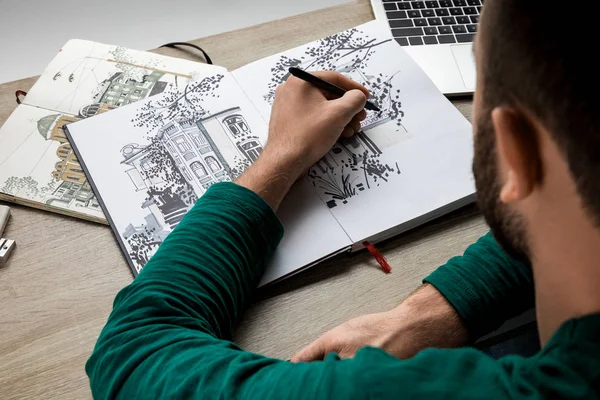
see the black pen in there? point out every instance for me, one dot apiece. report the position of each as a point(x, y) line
point(324, 85)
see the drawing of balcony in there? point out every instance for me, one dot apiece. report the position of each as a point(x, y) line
point(353, 150)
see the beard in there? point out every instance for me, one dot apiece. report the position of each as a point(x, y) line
point(507, 226)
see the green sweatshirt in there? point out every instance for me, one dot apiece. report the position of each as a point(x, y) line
point(168, 335)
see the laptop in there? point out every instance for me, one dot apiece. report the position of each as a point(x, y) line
point(438, 35)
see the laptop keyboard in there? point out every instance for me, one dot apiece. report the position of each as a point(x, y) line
point(416, 23)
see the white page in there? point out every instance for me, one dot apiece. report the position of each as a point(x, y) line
point(151, 160)
point(412, 159)
point(311, 233)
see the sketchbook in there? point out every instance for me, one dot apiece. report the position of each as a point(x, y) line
point(151, 160)
point(37, 165)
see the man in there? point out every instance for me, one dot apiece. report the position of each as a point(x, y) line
point(536, 167)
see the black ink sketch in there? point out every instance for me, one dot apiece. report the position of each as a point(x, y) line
point(144, 240)
point(126, 81)
point(354, 165)
point(26, 186)
point(349, 53)
point(184, 158)
point(186, 104)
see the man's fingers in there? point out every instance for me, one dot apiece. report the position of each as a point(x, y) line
point(313, 352)
point(352, 128)
point(362, 115)
point(279, 88)
point(342, 81)
point(348, 132)
point(355, 123)
point(352, 103)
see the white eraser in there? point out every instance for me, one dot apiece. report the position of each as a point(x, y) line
point(4, 215)
point(6, 247)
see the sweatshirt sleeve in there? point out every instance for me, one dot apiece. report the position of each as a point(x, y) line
point(168, 336)
point(485, 285)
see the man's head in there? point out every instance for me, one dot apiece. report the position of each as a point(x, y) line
point(537, 120)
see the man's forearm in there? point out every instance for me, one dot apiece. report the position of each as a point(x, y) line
point(425, 319)
point(463, 299)
point(271, 177)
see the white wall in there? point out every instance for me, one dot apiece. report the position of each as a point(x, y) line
point(32, 31)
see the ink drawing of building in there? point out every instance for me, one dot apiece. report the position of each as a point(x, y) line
point(73, 195)
point(355, 151)
point(204, 152)
point(52, 127)
point(119, 90)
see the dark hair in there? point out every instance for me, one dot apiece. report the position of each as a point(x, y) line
point(537, 56)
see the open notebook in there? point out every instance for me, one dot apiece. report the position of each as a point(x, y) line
point(37, 165)
point(150, 161)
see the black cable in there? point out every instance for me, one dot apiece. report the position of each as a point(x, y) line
point(175, 44)
point(18, 95)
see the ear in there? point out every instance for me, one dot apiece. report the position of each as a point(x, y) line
point(518, 153)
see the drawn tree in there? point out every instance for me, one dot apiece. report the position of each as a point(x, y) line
point(187, 104)
point(126, 61)
point(173, 188)
point(240, 165)
point(142, 246)
point(28, 186)
point(346, 52)
point(170, 192)
point(388, 100)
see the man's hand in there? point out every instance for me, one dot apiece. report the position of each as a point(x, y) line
point(425, 319)
point(305, 124)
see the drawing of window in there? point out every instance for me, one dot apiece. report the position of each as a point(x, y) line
point(182, 144)
point(250, 149)
point(137, 179)
point(213, 164)
point(198, 169)
point(123, 94)
point(145, 164)
point(236, 124)
point(198, 140)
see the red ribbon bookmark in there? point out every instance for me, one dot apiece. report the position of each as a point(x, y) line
point(385, 266)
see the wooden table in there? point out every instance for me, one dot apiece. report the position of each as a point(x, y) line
point(57, 290)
